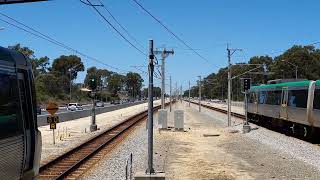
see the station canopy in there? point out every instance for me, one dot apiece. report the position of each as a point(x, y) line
point(18, 1)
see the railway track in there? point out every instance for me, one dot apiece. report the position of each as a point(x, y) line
point(71, 164)
point(221, 110)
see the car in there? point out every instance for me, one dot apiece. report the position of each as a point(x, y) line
point(115, 102)
point(100, 104)
point(74, 106)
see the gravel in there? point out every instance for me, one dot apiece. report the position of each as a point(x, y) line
point(113, 165)
point(210, 150)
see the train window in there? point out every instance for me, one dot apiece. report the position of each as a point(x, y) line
point(298, 98)
point(10, 124)
point(316, 101)
point(273, 97)
point(262, 97)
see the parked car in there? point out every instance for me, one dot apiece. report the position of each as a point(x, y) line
point(115, 102)
point(100, 104)
point(74, 106)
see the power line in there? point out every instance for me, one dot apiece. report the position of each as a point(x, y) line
point(121, 26)
point(171, 32)
point(51, 40)
point(123, 37)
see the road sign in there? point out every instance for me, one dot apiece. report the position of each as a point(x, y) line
point(52, 108)
point(53, 126)
point(53, 119)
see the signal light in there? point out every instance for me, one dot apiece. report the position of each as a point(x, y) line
point(93, 83)
point(246, 84)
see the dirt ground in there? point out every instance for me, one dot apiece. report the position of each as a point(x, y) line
point(210, 150)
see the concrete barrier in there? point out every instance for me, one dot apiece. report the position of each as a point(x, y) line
point(71, 115)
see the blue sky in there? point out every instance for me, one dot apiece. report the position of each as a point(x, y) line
point(258, 27)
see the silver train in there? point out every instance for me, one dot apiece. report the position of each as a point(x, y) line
point(293, 105)
point(20, 139)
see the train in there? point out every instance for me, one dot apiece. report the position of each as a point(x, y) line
point(20, 139)
point(292, 105)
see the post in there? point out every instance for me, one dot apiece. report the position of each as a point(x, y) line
point(199, 93)
point(229, 86)
point(189, 93)
point(54, 138)
point(296, 72)
point(93, 126)
point(150, 169)
point(70, 85)
point(162, 83)
point(170, 96)
point(246, 106)
point(181, 93)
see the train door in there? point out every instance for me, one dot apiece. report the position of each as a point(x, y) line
point(284, 103)
point(256, 99)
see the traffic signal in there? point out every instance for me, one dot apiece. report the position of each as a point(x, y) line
point(246, 84)
point(93, 83)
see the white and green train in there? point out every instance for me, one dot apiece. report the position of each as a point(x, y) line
point(292, 105)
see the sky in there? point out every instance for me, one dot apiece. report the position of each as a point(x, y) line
point(257, 27)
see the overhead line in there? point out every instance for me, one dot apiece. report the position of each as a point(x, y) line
point(171, 32)
point(121, 26)
point(105, 19)
point(51, 40)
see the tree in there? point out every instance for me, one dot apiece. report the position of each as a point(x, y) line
point(115, 83)
point(133, 84)
point(64, 65)
point(101, 75)
point(305, 57)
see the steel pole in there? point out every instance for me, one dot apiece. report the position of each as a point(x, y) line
point(93, 126)
point(189, 94)
point(150, 169)
point(199, 93)
point(70, 86)
point(162, 83)
point(296, 72)
point(229, 87)
point(170, 96)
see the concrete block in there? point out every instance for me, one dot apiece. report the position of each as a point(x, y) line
point(163, 119)
point(179, 119)
point(246, 128)
point(144, 176)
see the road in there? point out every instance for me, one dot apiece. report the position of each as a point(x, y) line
point(64, 109)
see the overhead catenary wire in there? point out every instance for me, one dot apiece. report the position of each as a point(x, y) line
point(115, 29)
point(43, 36)
point(171, 32)
point(121, 26)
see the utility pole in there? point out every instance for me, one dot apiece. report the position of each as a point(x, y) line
point(181, 93)
point(170, 96)
point(150, 169)
point(230, 52)
point(164, 54)
point(189, 93)
point(199, 93)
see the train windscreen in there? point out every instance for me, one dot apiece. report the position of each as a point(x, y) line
point(9, 106)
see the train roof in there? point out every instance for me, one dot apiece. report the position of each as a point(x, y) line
point(286, 84)
point(15, 57)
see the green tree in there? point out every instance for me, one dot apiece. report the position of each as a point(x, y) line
point(64, 65)
point(133, 84)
